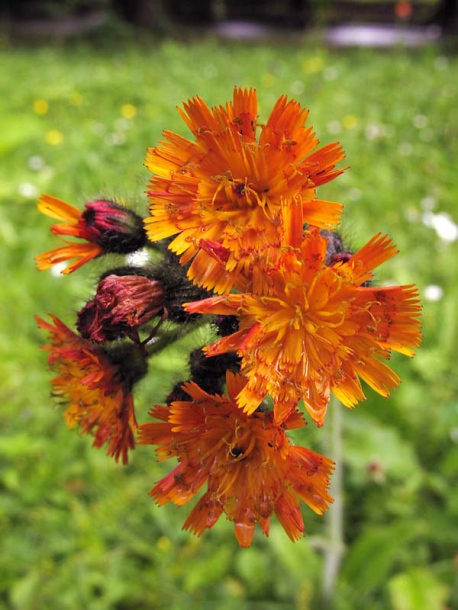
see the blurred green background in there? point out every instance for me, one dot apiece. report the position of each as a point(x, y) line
point(78, 531)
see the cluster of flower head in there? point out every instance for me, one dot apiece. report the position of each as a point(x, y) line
point(239, 237)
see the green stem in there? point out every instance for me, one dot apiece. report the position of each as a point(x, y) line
point(166, 337)
point(335, 546)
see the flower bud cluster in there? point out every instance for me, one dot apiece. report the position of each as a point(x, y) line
point(134, 313)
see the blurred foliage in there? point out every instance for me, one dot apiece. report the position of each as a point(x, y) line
point(77, 530)
point(161, 16)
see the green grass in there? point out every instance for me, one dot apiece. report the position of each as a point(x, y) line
point(77, 530)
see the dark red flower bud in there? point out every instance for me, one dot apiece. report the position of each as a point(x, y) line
point(336, 250)
point(122, 304)
point(113, 227)
point(104, 227)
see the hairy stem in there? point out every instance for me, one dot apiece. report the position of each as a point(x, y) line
point(335, 546)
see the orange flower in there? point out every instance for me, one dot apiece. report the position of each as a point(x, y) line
point(307, 329)
point(248, 463)
point(104, 225)
point(97, 387)
point(227, 185)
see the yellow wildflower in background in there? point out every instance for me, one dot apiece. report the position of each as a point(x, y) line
point(40, 107)
point(54, 137)
point(128, 111)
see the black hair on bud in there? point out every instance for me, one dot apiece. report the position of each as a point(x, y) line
point(127, 270)
point(177, 394)
point(335, 250)
point(178, 289)
point(226, 325)
point(131, 361)
point(210, 373)
point(115, 228)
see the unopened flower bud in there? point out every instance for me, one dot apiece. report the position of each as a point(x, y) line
point(113, 227)
point(336, 250)
point(210, 373)
point(122, 304)
point(105, 227)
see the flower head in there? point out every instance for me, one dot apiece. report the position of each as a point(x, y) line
point(251, 469)
point(104, 226)
point(122, 304)
point(229, 183)
point(307, 328)
point(96, 386)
